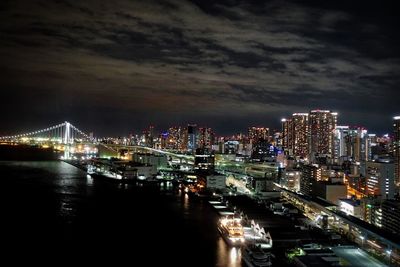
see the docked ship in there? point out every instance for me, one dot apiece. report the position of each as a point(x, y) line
point(231, 230)
point(254, 256)
point(259, 237)
point(257, 251)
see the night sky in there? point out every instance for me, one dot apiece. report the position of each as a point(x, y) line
point(114, 67)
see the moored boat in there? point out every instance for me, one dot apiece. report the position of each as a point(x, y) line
point(254, 256)
point(231, 230)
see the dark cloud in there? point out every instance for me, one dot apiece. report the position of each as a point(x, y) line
point(116, 66)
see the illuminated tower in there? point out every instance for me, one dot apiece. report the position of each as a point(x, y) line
point(257, 134)
point(175, 138)
point(300, 130)
point(340, 149)
point(286, 123)
point(356, 143)
point(205, 138)
point(295, 135)
point(396, 149)
point(322, 125)
point(149, 136)
point(191, 137)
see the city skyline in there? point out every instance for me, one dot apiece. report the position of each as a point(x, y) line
point(116, 67)
point(158, 130)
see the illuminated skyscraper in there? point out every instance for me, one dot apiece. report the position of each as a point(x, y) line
point(295, 135)
point(205, 138)
point(351, 142)
point(396, 149)
point(340, 149)
point(257, 134)
point(300, 134)
point(370, 142)
point(191, 137)
point(175, 139)
point(148, 136)
point(356, 143)
point(322, 129)
point(286, 133)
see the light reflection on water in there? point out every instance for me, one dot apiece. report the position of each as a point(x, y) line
point(61, 191)
point(67, 209)
point(228, 256)
point(89, 180)
point(69, 183)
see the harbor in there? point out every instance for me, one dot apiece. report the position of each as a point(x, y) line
point(248, 231)
point(286, 239)
point(264, 232)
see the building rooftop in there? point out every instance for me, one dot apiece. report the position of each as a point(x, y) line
point(352, 202)
point(312, 261)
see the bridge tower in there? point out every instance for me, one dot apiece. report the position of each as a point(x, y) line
point(67, 133)
point(64, 133)
point(67, 140)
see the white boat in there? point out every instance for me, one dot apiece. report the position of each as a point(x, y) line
point(231, 230)
point(254, 256)
point(257, 235)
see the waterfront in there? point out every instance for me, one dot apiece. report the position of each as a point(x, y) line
point(53, 210)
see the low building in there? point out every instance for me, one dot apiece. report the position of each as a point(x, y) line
point(204, 161)
point(391, 216)
point(351, 207)
point(216, 182)
point(379, 179)
point(317, 258)
point(146, 171)
point(329, 191)
point(371, 210)
point(127, 169)
point(160, 161)
point(309, 174)
point(291, 180)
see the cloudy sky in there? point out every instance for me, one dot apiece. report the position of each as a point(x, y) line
point(114, 67)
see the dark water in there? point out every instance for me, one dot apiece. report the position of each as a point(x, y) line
point(52, 213)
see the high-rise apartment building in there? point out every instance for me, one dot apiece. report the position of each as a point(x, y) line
point(175, 139)
point(286, 134)
point(340, 148)
point(379, 179)
point(322, 129)
point(300, 130)
point(295, 133)
point(396, 149)
point(370, 142)
point(205, 138)
point(355, 142)
point(351, 143)
point(148, 136)
point(257, 134)
point(191, 137)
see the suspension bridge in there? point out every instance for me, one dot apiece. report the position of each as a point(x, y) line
point(64, 137)
point(73, 141)
point(63, 133)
